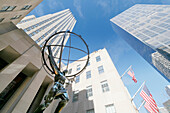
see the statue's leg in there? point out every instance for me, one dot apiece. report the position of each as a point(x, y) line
point(48, 99)
point(62, 103)
point(40, 109)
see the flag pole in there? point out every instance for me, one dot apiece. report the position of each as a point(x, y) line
point(143, 102)
point(125, 72)
point(137, 91)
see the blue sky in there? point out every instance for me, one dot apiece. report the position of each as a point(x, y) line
point(93, 23)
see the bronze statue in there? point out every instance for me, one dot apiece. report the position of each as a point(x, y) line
point(58, 90)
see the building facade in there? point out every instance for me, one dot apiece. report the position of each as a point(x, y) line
point(147, 29)
point(99, 88)
point(163, 110)
point(15, 10)
point(41, 28)
point(167, 103)
point(23, 81)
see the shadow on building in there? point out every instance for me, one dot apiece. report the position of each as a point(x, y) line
point(23, 81)
point(78, 103)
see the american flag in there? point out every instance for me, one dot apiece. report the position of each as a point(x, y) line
point(131, 73)
point(148, 107)
point(150, 104)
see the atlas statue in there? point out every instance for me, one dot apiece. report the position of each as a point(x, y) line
point(52, 65)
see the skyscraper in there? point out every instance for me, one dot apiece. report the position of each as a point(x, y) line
point(99, 88)
point(147, 29)
point(39, 29)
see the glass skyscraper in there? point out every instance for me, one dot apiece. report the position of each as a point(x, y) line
point(147, 29)
point(39, 29)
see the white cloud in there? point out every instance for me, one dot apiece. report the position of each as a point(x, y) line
point(77, 5)
point(39, 10)
point(53, 4)
point(117, 49)
point(106, 5)
point(103, 4)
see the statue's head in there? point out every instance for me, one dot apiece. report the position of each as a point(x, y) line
point(65, 71)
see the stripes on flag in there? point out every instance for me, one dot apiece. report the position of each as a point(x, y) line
point(146, 95)
point(131, 73)
point(148, 107)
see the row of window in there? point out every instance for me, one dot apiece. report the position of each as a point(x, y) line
point(68, 28)
point(109, 109)
point(41, 23)
point(61, 27)
point(98, 58)
point(26, 20)
point(11, 8)
point(88, 74)
point(45, 34)
point(14, 17)
point(89, 91)
point(148, 33)
point(40, 29)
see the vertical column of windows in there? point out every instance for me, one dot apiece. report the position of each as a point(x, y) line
point(16, 17)
point(26, 7)
point(77, 79)
point(88, 74)
point(98, 59)
point(78, 67)
point(89, 92)
point(110, 108)
point(60, 38)
point(100, 69)
point(90, 111)
point(45, 21)
point(105, 87)
point(75, 96)
point(45, 34)
point(61, 25)
point(7, 8)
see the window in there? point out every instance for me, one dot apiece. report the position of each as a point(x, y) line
point(26, 7)
point(70, 70)
point(110, 108)
point(105, 86)
point(6, 94)
point(163, 25)
point(88, 74)
point(75, 96)
point(142, 37)
point(1, 19)
point(156, 29)
point(161, 14)
point(78, 67)
point(98, 59)
point(100, 69)
point(77, 79)
point(90, 111)
point(7, 8)
point(89, 92)
point(28, 29)
point(168, 21)
point(16, 17)
point(148, 33)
